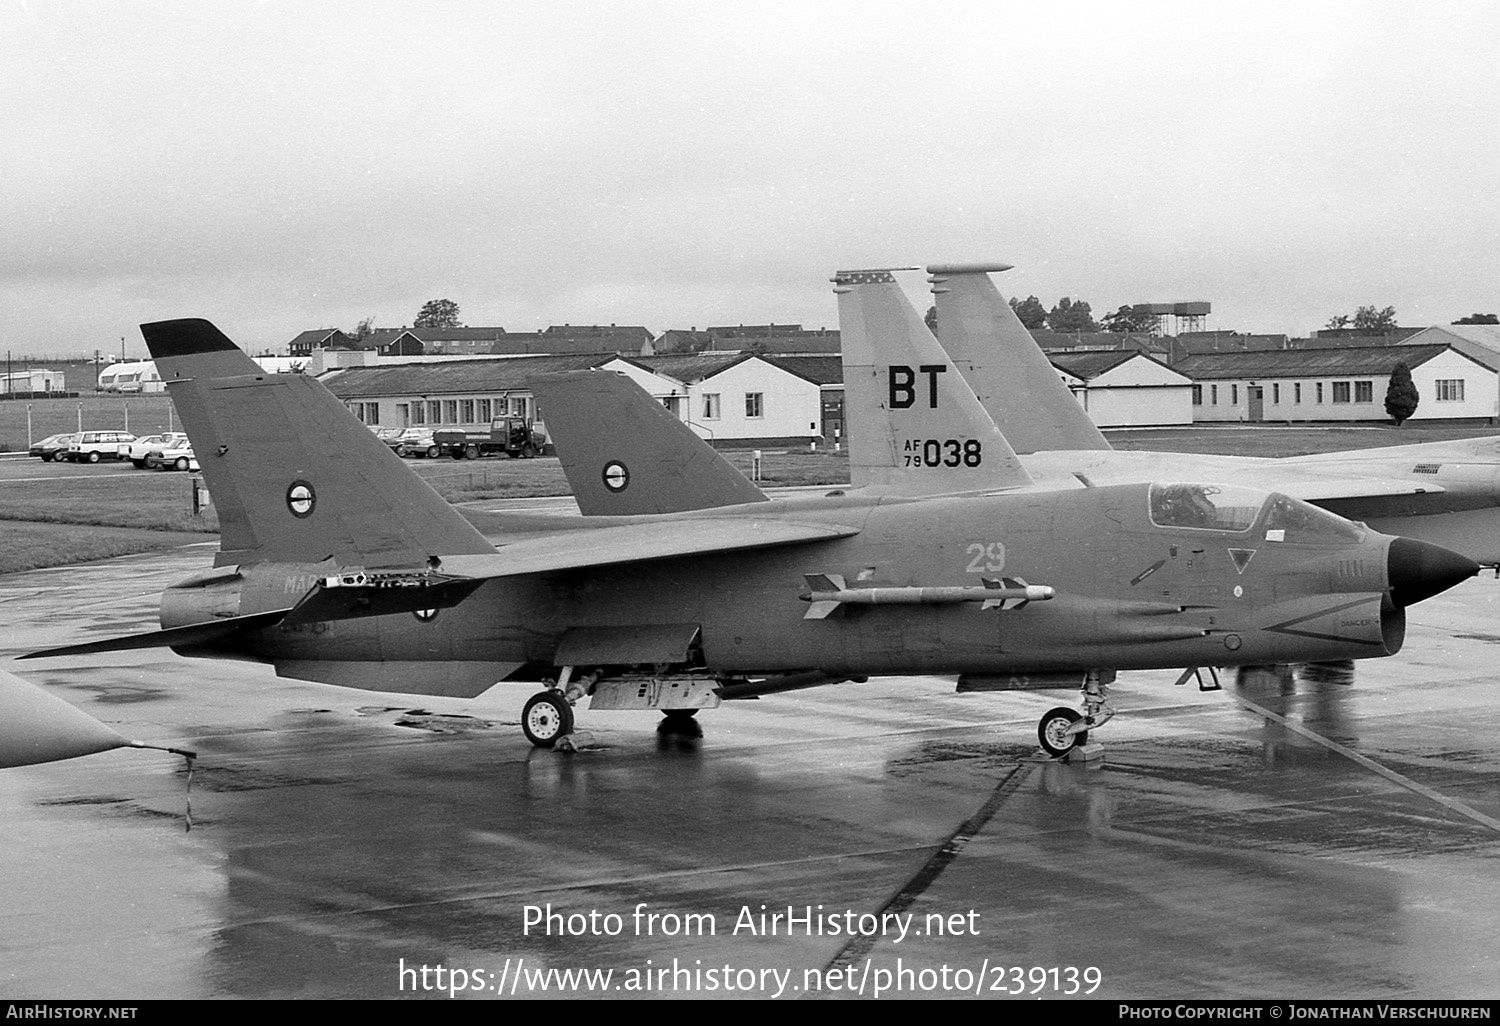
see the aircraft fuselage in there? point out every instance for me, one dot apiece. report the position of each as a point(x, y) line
point(1130, 592)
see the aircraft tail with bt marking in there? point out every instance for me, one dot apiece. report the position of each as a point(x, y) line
point(915, 427)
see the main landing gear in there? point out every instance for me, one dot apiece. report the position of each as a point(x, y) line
point(1063, 729)
point(547, 717)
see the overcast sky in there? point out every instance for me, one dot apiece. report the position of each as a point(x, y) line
point(279, 166)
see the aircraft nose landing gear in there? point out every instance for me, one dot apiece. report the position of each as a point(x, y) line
point(1053, 733)
point(1062, 730)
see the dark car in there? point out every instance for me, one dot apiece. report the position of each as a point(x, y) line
point(416, 442)
point(53, 447)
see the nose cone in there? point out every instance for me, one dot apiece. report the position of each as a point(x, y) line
point(1418, 570)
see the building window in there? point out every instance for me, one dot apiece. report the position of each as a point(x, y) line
point(1197, 395)
point(711, 406)
point(1364, 391)
point(419, 413)
point(1234, 395)
point(450, 411)
point(1213, 395)
point(755, 404)
point(466, 410)
point(434, 411)
point(1341, 391)
point(1320, 392)
point(1450, 390)
point(1275, 395)
point(484, 411)
point(1297, 392)
point(372, 413)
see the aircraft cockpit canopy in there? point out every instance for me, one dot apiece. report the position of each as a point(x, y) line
point(1206, 507)
point(1236, 510)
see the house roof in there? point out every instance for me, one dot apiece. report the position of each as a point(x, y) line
point(454, 377)
point(1307, 363)
point(316, 336)
point(691, 367)
point(820, 370)
point(1487, 335)
point(1091, 364)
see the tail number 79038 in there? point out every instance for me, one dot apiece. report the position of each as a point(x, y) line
point(944, 452)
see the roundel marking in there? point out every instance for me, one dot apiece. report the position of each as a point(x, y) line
point(616, 476)
point(300, 499)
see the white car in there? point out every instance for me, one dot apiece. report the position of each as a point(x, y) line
point(176, 457)
point(91, 446)
point(137, 450)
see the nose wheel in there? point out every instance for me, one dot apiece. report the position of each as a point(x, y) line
point(1053, 731)
point(546, 717)
point(1063, 729)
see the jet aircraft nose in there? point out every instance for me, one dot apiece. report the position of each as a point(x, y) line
point(1418, 570)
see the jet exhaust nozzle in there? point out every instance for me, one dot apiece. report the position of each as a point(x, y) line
point(1418, 570)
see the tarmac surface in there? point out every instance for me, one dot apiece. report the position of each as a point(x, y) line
point(1289, 836)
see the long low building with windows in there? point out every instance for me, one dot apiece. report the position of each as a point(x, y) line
point(730, 399)
point(1338, 385)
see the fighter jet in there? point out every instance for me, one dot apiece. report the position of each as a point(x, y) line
point(1447, 493)
point(339, 564)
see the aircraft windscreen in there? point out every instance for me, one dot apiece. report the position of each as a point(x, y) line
point(1205, 507)
point(1291, 520)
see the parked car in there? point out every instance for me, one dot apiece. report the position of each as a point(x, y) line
point(388, 435)
point(416, 442)
point(176, 457)
point(92, 446)
point(137, 450)
point(53, 447)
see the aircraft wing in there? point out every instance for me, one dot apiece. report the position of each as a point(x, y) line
point(633, 543)
point(377, 593)
point(1319, 490)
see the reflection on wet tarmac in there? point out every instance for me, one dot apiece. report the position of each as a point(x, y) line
point(1315, 694)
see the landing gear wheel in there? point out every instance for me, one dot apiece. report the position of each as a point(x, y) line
point(547, 717)
point(679, 715)
point(1052, 731)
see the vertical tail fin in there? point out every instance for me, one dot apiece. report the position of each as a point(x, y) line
point(1009, 373)
point(624, 453)
point(293, 475)
point(915, 426)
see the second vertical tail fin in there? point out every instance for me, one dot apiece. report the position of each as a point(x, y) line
point(1011, 376)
